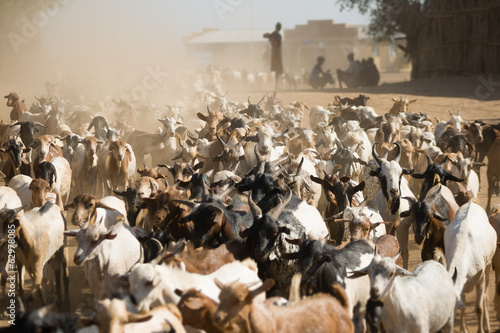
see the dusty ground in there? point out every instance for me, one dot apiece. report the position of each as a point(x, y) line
point(476, 97)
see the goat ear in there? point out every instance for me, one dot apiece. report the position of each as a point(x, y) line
point(438, 216)
point(178, 292)
point(202, 116)
point(119, 193)
point(110, 235)
point(252, 138)
point(86, 321)
point(290, 256)
point(375, 225)
point(406, 213)
point(70, 205)
point(245, 233)
point(283, 228)
point(374, 173)
point(417, 175)
point(100, 204)
point(403, 272)
point(316, 179)
point(452, 178)
point(357, 274)
point(266, 285)
point(71, 233)
point(360, 187)
point(407, 171)
point(193, 303)
point(124, 281)
point(218, 283)
point(155, 281)
point(138, 318)
point(412, 101)
point(198, 166)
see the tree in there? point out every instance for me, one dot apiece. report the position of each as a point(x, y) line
point(443, 37)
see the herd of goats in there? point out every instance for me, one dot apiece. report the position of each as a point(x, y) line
point(249, 217)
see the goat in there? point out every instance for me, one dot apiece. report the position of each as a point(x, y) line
point(409, 299)
point(153, 285)
point(239, 305)
point(470, 243)
point(18, 107)
point(84, 166)
point(40, 242)
point(106, 255)
point(429, 219)
point(117, 166)
point(401, 105)
point(90, 210)
point(58, 173)
point(113, 317)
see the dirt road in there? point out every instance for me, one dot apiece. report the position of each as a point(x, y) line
point(470, 95)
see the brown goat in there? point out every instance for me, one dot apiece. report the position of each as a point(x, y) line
point(18, 106)
point(117, 165)
point(198, 310)
point(39, 188)
point(237, 306)
point(388, 246)
point(206, 261)
point(162, 211)
point(46, 149)
point(401, 105)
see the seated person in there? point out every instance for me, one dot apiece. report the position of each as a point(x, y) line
point(318, 78)
point(350, 76)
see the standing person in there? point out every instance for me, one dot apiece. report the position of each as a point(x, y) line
point(276, 63)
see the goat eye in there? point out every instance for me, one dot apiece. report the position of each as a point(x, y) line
point(391, 274)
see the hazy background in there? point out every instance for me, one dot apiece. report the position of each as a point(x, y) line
point(102, 45)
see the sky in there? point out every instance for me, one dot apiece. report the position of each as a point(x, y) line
point(118, 20)
point(105, 38)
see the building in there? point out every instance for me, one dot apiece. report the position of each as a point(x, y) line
point(240, 49)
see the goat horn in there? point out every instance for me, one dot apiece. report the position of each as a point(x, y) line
point(276, 211)
point(299, 168)
point(398, 154)
point(256, 211)
point(227, 191)
point(429, 160)
point(261, 100)
point(374, 154)
point(257, 154)
point(165, 255)
point(185, 202)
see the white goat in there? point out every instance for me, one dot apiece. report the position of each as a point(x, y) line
point(470, 243)
point(106, 255)
point(155, 285)
point(422, 301)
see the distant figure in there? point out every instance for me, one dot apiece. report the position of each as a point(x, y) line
point(318, 78)
point(276, 63)
point(359, 74)
point(371, 76)
point(350, 76)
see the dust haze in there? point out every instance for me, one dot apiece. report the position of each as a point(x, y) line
point(97, 50)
